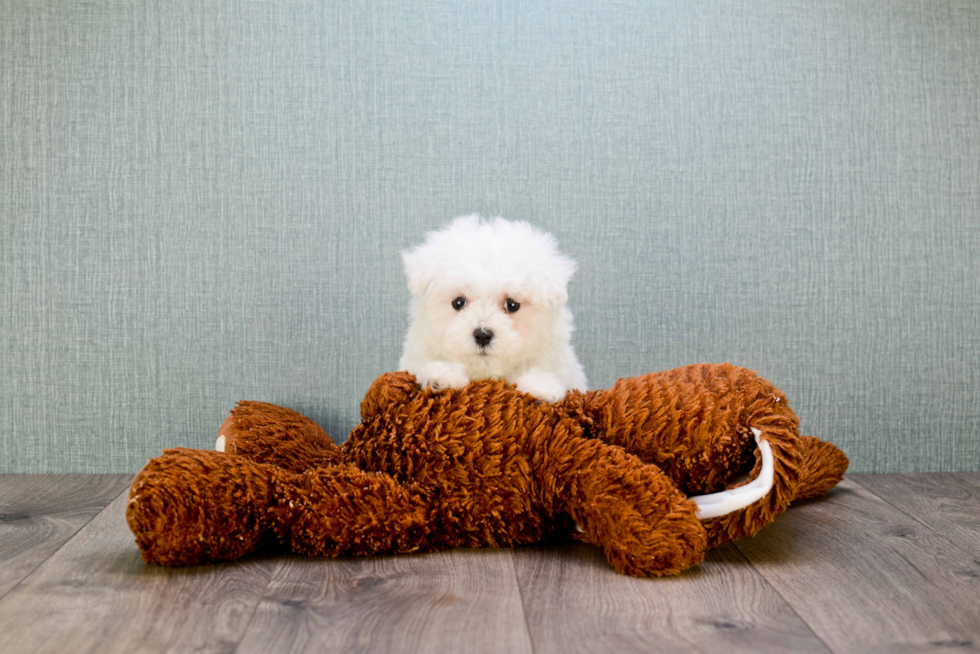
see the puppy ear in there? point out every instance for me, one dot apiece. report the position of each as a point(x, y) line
point(555, 284)
point(544, 271)
point(419, 274)
point(556, 296)
point(427, 262)
point(547, 284)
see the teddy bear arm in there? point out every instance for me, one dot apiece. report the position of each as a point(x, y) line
point(388, 389)
point(190, 507)
point(342, 510)
point(645, 525)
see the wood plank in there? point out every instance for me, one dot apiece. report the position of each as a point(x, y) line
point(867, 578)
point(949, 504)
point(454, 601)
point(970, 477)
point(38, 513)
point(96, 595)
point(575, 602)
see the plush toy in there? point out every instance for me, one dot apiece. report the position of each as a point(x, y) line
point(653, 471)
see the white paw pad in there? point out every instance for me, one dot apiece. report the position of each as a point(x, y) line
point(724, 502)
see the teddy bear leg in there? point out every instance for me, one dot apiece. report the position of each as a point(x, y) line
point(727, 501)
point(189, 507)
point(697, 423)
point(272, 434)
point(809, 469)
point(824, 465)
point(342, 510)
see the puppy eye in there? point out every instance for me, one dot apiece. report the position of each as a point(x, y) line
point(459, 303)
point(512, 305)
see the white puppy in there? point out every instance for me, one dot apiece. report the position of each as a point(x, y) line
point(488, 301)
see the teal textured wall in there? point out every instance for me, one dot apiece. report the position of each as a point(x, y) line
point(204, 201)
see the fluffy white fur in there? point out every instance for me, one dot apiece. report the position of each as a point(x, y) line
point(486, 263)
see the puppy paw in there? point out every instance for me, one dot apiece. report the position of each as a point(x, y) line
point(438, 375)
point(542, 385)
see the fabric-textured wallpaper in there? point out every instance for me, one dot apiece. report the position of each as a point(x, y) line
point(203, 201)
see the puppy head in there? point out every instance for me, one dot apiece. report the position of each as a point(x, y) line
point(487, 293)
point(498, 251)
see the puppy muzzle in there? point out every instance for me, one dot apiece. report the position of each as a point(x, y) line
point(482, 336)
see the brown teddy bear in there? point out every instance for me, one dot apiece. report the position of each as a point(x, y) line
point(639, 470)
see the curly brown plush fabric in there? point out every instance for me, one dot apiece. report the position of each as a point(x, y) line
point(487, 465)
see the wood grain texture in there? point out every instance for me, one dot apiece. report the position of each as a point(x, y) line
point(849, 573)
point(948, 504)
point(453, 601)
point(96, 595)
point(868, 578)
point(970, 477)
point(38, 513)
point(575, 602)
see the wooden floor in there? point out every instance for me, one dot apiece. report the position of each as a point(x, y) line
point(886, 563)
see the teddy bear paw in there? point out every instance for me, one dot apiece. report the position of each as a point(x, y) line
point(225, 433)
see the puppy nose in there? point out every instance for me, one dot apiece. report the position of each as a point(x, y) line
point(483, 336)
